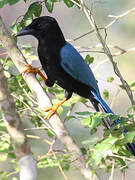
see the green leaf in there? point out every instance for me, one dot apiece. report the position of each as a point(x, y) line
point(68, 118)
point(103, 149)
point(60, 110)
point(3, 175)
point(35, 8)
point(84, 113)
point(105, 94)
point(14, 178)
point(132, 86)
point(89, 59)
point(110, 79)
point(84, 151)
point(86, 122)
point(11, 155)
point(49, 5)
point(28, 20)
point(48, 162)
point(109, 140)
point(95, 121)
point(66, 167)
point(14, 27)
point(38, 9)
point(130, 136)
point(93, 131)
point(12, 2)
point(2, 3)
point(90, 141)
point(50, 133)
point(83, 100)
point(68, 3)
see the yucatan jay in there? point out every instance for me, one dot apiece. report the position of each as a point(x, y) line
point(65, 66)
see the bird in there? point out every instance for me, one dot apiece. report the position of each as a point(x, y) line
point(64, 66)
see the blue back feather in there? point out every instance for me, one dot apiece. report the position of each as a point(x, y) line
point(102, 102)
point(73, 63)
point(104, 105)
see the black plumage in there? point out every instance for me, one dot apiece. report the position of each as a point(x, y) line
point(65, 66)
point(51, 40)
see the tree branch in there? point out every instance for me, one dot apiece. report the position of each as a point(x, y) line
point(116, 18)
point(43, 101)
point(106, 49)
point(14, 127)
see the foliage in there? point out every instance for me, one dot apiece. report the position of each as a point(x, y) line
point(105, 94)
point(51, 161)
point(89, 59)
point(101, 152)
point(34, 10)
point(98, 152)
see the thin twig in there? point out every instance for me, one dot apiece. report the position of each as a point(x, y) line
point(5, 53)
point(104, 45)
point(32, 109)
point(101, 28)
point(51, 151)
point(101, 52)
point(112, 171)
point(108, 53)
point(123, 175)
point(118, 17)
point(30, 98)
point(114, 98)
point(122, 157)
point(34, 128)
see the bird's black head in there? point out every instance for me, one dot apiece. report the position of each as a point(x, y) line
point(42, 27)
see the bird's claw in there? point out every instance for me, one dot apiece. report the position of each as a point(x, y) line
point(31, 69)
point(51, 111)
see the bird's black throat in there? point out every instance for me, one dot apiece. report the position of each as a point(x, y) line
point(53, 37)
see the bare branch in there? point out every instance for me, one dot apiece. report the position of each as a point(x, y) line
point(107, 52)
point(116, 18)
point(123, 157)
point(112, 171)
point(43, 102)
point(46, 124)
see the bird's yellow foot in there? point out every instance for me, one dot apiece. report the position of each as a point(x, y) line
point(51, 110)
point(31, 69)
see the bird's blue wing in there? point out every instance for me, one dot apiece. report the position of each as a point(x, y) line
point(73, 63)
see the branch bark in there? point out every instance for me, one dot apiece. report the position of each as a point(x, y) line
point(108, 53)
point(14, 127)
point(43, 101)
point(106, 49)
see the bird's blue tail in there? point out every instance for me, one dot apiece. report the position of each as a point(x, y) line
point(130, 146)
point(104, 105)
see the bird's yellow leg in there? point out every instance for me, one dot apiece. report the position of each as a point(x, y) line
point(53, 109)
point(31, 69)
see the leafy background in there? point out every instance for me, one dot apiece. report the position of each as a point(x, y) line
point(82, 126)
